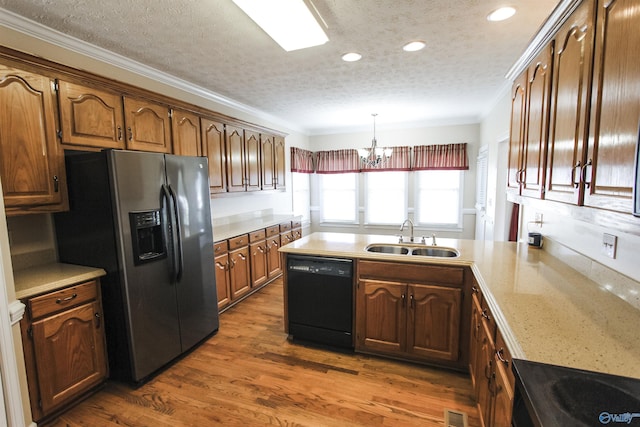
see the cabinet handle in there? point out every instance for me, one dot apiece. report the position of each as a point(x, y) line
point(403, 297)
point(411, 301)
point(130, 133)
point(583, 176)
point(97, 320)
point(227, 267)
point(233, 264)
point(261, 249)
point(485, 315)
point(241, 256)
point(119, 133)
point(67, 299)
point(573, 174)
point(474, 290)
point(56, 183)
point(499, 355)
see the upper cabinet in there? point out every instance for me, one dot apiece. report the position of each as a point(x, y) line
point(571, 91)
point(529, 127)
point(148, 126)
point(252, 160)
point(243, 159)
point(31, 162)
point(279, 156)
point(272, 164)
point(90, 117)
point(185, 128)
point(615, 110)
point(213, 147)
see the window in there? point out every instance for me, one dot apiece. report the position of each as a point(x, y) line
point(385, 197)
point(338, 197)
point(439, 198)
point(301, 195)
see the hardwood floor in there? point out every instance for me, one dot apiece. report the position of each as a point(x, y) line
point(249, 374)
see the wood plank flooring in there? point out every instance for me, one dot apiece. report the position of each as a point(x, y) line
point(249, 374)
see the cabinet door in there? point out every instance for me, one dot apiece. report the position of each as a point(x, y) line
point(274, 263)
point(537, 125)
point(615, 110)
point(571, 91)
point(517, 135)
point(268, 161)
point(433, 328)
point(252, 166)
point(185, 128)
point(223, 280)
point(213, 147)
point(90, 117)
point(474, 347)
point(258, 254)
point(148, 126)
point(239, 272)
point(279, 159)
point(502, 398)
point(485, 375)
point(381, 316)
point(69, 353)
point(234, 141)
point(31, 163)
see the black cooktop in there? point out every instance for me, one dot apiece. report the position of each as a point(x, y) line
point(560, 396)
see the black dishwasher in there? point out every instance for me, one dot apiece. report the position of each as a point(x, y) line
point(320, 299)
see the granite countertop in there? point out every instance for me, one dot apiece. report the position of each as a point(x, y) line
point(49, 277)
point(547, 311)
point(226, 231)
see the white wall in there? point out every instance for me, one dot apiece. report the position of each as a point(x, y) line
point(390, 137)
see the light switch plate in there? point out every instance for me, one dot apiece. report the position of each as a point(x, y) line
point(609, 245)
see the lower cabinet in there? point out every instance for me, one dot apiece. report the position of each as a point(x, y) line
point(259, 258)
point(490, 367)
point(239, 267)
point(410, 311)
point(223, 277)
point(64, 347)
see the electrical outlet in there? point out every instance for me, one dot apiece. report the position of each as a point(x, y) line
point(538, 219)
point(609, 245)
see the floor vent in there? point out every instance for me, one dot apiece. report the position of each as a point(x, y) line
point(455, 418)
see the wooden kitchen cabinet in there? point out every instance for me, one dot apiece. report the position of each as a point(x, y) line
point(239, 266)
point(529, 127)
point(570, 95)
point(213, 148)
point(274, 261)
point(474, 346)
point(279, 156)
point(410, 311)
point(148, 127)
point(90, 117)
point(615, 111)
point(243, 159)
point(185, 129)
point(223, 276)
point(259, 257)
point(272, 162)
point(252, 160)
point(31, 161)
point(64, 346)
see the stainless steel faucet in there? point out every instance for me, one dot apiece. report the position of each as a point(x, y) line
point(402, 229)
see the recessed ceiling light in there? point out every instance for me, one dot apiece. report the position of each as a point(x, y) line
point(414, 46)
point(501, 14)
point(351, 57)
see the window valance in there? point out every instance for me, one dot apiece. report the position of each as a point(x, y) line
point(337, 161)
point(301, 160)
point(440, 157)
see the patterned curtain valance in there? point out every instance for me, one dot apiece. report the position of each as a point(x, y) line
point(440, 157)
point(400, 160)
point(337, 161)
point(301, 160)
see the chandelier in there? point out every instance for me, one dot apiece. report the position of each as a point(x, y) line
point(374, 156)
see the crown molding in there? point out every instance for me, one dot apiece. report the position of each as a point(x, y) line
point(45, 34)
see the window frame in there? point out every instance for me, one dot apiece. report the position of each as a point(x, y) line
point(321, 198)
point(366, 221)
point(459, 225)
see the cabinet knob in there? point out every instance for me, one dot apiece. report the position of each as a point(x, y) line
point(130, 133)
point(98, 320)
point(67, 299)
point(56, 183)
point(119, 133)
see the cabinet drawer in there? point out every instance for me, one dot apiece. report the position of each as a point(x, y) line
point(256, 236)
point(62, 299)
point(286, 238)
point(220, 247)
point(285, 226)
point(238, 242)
point(487, 318)
point(296, 224)
point(273, 230)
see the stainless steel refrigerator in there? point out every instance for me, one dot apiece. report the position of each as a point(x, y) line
point(145, 218)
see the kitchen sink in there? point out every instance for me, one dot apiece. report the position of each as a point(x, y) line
point(421, 250)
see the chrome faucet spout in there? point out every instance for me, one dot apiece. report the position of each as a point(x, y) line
point(410, 228)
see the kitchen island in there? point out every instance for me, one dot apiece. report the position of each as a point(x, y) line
point(546, 311)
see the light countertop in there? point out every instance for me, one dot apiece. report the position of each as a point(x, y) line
point(547, 311)
point(226, 231)
point(49, 277)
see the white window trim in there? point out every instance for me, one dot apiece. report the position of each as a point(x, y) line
point(323, 221)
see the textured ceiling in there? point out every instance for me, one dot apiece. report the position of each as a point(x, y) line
point(212, 44)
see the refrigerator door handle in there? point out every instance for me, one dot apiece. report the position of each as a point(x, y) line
point(179, 259)
point(169, 231)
